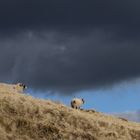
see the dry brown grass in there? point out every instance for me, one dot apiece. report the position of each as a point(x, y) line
point(23, 117)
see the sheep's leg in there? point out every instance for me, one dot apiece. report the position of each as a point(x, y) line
point(72, 105)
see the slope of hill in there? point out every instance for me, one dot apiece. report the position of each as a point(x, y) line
point(23, 117)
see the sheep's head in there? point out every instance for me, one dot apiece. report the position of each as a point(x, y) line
point(83, 100)
point(22, 85)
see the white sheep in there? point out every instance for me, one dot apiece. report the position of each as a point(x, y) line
point(76, 103)
point(19, 87)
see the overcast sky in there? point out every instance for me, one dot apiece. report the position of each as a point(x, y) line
point(69, 45)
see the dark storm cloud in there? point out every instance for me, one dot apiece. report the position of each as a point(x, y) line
point(69, 45)
point(55, 61)
point(67, 14)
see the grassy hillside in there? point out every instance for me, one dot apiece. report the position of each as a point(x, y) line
point(23, 117)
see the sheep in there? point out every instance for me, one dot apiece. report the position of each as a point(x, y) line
point(19, 87)
point(76, 103)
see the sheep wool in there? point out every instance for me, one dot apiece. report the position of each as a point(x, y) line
point(77, 103)
point(18, 88)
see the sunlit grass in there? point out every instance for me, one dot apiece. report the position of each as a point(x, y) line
point(23, 117)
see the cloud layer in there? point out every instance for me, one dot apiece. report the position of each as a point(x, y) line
point(35, 13)
point(69, 45)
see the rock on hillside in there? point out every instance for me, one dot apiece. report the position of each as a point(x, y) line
point(23, 117)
